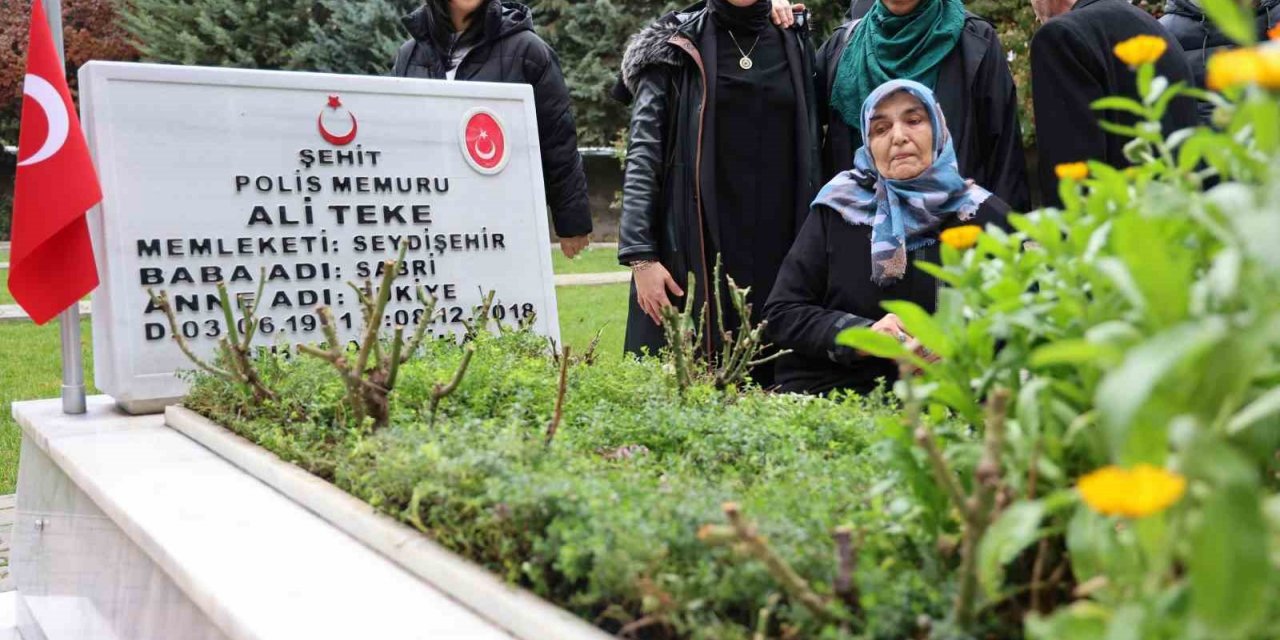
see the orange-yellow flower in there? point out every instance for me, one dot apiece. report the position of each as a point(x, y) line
point(962, 237)
point(1274, 33)
point(1072, 171)
point(1140, 50)
point(1134, 493)
point(1255, 65)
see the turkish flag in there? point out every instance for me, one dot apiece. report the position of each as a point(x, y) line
point(51, 257)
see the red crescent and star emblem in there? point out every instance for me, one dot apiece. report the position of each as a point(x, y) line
point(485, 142)
point(335, 103)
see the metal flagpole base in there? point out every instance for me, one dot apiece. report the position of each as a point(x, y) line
point(73, 400)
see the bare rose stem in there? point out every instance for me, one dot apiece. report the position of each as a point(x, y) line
point(976, 510)
point(564, 383)
point(237, 348)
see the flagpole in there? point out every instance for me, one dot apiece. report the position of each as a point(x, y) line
point(73, 400)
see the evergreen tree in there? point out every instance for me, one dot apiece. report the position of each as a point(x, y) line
point(354, 37)
point(251, 34)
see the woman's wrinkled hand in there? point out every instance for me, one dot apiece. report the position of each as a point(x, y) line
point(653, 282)
point(784, 13)
point(891, 325)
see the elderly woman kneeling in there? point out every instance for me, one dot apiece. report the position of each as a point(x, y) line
point(868, 227)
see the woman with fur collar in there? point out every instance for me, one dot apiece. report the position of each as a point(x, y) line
point(722, 161)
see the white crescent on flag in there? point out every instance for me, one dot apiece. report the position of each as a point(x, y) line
point(493, 148)
point(45, 95)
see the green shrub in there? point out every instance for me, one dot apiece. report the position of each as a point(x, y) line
point(605, 520)
point(1136, 333)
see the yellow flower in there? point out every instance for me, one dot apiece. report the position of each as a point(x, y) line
point(961, 237)
point(1136, 493)
point(1072, 171)
point(1140, 50)
point(1255, 65)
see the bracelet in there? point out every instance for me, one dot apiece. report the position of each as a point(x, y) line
point(642, 265)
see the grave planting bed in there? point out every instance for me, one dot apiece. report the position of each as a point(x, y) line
point(608, 518)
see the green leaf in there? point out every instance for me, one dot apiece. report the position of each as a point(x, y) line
point(1265, 406)
point(1094, 549)
point(1228, 564)
point(941, 273)
point(1119, 103)
point(1083, 620)
point(1232, 20)
point(1118, 274)
point(1128, 388)
point(1264, 116)
point(1159, 88)
point(872, 342)
point(1146, 73)
point(1162, 266)
point(1127, 623)
point(922, 326)
point(1120, 129)
point(1161, 104)
point(1016, 529)
point(1071, 352)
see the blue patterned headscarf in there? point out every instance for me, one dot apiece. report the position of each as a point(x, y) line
point(903, 214)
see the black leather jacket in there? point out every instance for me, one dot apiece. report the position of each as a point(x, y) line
point(665, 195)
point(1200, 39)
point(509, 51)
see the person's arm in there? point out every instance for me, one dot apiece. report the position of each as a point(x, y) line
point(562, 172)
point(1063, 87)
point(644, 169)
point(797, 318)
point(1005, 165)
point(642, 195)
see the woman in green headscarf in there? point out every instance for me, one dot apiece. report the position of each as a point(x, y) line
point(947, 49)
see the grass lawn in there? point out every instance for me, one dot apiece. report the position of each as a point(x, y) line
point(5, 296)
point(589, 261)
point(584, 311)
point(30, 367)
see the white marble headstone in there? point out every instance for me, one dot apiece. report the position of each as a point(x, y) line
point(215, 174)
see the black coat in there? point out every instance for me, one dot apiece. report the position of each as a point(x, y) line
point(1200, 39)
point(509, 51)
point(977, 95)
point(1073, 64)
point(668, 192)
point(825, 287)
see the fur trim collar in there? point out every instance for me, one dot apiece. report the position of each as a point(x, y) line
point(652, 46)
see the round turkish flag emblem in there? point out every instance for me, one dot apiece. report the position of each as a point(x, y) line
point(484, 141)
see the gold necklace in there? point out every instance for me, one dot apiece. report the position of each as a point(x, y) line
point(745, 62)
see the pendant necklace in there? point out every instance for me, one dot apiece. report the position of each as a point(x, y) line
point(745, 62)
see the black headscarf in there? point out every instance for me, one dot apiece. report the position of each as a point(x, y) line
point(749, 19)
